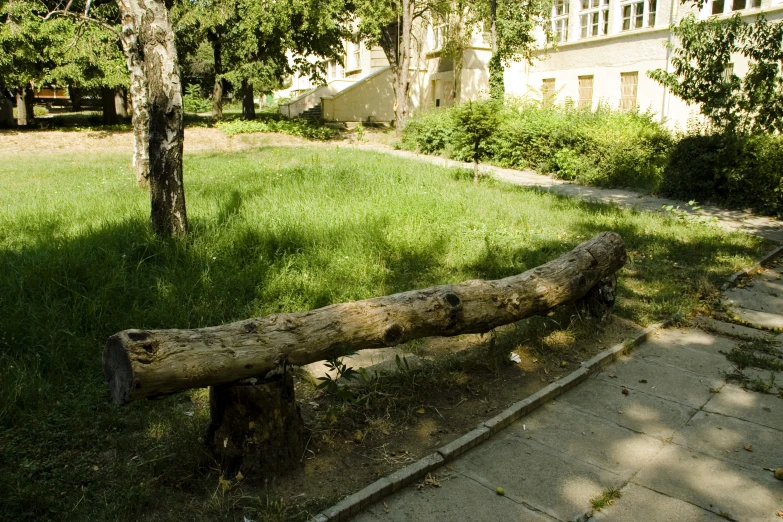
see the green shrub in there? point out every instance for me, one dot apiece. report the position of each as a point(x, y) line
point(194, 101)
point(739, 171)
point(605, 148)
point(275, 122)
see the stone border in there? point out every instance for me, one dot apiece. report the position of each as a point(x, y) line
point(353, 504)
point(746, 272)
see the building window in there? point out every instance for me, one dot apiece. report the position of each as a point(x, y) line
point(586, 92)
point(628, 84)
point(356, 56)
point(334, 71)
point(722, 6)
point(560, 20)
point(438, 29)
point(594, 18)
point(548, 92)
point(638, 14)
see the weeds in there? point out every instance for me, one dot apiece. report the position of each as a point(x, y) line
point(606, 498)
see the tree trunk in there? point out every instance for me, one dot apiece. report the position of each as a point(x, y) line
point(29, 101)
point(140, 117)
point(497, 89)
point(22, 117)
point(121, 102)
point(6, 112)
point(475, 170)
point(256, 426)
point(248, 105)
point(75, 94)
point(166, 135)
point(146, 363)
point(109, 108)
point(402, 83)
point(217, 89)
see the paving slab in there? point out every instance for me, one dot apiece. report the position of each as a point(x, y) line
point(537, 476)
point(760, 408)
point(754, 299)
point(639, 374)
point(762, 319)
point(458, 498)
point(693, 338)
point(639, 503)
point(639, 412)
point(568, 430)
point(694, 360)
point(712, 484)
point(725, 438)
point(733, 330)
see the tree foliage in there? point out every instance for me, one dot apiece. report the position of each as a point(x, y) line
point(702, 72)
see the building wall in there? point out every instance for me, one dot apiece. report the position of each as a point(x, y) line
point(372, 99)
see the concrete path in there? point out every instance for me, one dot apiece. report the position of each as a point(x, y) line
point(765, 227)
point(662, 426)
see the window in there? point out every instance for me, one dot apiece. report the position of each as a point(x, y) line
point(639, 13)
point(586, 92)
point(356, 56)
point(728, 72)
point(334, 71)
point(628, 84)
point(560, 20)
point(438, 28)
point(724, 6)
point(594, 19)
point(548, 92)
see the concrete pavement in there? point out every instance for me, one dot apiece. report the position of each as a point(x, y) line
point(662, 426)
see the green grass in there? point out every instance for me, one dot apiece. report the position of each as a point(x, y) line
point(606, 498)
point(273, 230)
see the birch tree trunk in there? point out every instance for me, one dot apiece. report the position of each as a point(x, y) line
point(166, 135)
point(140, 116)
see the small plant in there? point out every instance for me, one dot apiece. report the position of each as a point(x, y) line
point(332, 386)
point(474, 123)
point(194, 101)
point(359, 132)
point(606, 498)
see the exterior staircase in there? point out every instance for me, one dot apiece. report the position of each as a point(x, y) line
point(312, 114)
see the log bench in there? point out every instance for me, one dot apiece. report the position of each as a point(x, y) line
point(255, 419)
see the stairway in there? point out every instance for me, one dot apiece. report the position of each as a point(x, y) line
point(312, 114)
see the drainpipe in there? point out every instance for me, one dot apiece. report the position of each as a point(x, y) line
point(666, 104)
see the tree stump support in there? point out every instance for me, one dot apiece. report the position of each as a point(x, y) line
point(256, 426)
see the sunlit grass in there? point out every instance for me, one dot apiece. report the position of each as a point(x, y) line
point(272, 230)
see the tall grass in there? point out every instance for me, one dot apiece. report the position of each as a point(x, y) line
point(273, 230)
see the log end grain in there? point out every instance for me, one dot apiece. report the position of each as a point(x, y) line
point(117, 368)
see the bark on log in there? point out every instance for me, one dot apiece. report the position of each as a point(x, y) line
point(146, 363)
point(256, 427)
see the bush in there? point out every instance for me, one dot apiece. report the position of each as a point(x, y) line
point(276, 122)
point(738, 171)
point(606, 148)
point(194, 101)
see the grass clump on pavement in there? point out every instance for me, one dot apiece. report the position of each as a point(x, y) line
point(273, 230)
point(606, 498)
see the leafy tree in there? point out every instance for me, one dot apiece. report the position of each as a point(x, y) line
point(252, 40)
point(702, 72)
point(389, 23)
point(474, 124)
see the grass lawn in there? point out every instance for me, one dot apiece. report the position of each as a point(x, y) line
point(273, 230)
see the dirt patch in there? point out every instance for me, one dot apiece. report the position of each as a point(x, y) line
point(197, 139)
point(402, 415)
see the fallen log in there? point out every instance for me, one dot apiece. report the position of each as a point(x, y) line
point(148, 363)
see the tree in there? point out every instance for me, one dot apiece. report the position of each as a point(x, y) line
point(702, 72)
point(389, 23)
point(24, 43)
point(151, 54)
point(474, 123)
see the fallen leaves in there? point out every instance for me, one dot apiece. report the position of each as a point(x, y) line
point(748, 447)
point(430, 481)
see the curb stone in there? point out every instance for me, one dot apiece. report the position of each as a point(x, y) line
point(353, 504)
point(745, 272)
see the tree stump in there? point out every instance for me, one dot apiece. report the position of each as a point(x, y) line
point(256, 426)
point(599, 300)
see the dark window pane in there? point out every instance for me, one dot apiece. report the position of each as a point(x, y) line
point(717, 6)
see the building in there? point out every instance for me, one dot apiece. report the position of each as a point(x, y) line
point(602, 53)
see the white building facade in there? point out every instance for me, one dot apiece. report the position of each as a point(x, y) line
point(602, 54)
